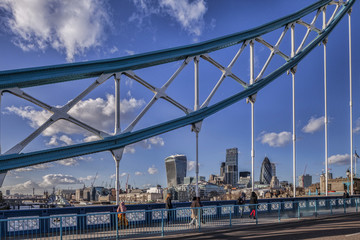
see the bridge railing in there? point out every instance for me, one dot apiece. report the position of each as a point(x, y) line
point(161, 221)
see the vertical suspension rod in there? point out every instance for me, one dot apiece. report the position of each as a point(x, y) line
point(117, 130)
point(293, 108)
point(252, 113)
point(351, 117)
point(325, 100)
point(196, 107)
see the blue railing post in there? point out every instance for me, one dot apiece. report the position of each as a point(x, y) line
point(199, 218)
point(117, 226)
point(61, 230)
point(230, 216)
point(279, 212)
point(162, 222)
point(344, 201)
point(356, 203)
point(331, 212)
point(316, 201)
point(256, 214)
point(298, 210)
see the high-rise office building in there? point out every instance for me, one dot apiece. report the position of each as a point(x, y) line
point(175, 169)
point(305, 181)
point(222, 169)
point(266, 171)
point(245, 174)
point(231, 166)
point(273, 169)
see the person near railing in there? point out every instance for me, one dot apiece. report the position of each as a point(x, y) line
point(122, 220)
point(346, 194)
point(195, 205)
point(241, 202)
point(169, 206)
point(253, 202)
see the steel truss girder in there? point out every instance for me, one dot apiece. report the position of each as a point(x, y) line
point(12, 161)
point(72, 71)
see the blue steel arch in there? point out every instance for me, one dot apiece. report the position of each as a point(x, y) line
point(67, 72)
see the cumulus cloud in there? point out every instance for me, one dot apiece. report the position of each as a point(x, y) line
point(314, 124)
point(66, 139)
point(129, 52)
point(275, 139)
point(26, 186)
point(67, 26)
point(188, 14)
point(68, 162)
point(112, 176)
point(139, 173)
point(339, 159)
point(88, 178)
point(51, 180)
point(114, 49)
point(148, 143)
point(152, 170)
point(98, 113)
point(357, 126)
point(191, 165)
point(53, 141)
point(35, 167)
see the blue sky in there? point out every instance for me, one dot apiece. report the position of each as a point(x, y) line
point(38, 33)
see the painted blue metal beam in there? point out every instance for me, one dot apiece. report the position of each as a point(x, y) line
point(73, 71)
point(12, 161)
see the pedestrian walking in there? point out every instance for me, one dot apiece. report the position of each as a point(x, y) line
point(253, 202)
point(168, 206)
point(122, 220)
point(195, 205)
point(241, 201)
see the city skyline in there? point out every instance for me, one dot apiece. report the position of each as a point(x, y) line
point(138, 28)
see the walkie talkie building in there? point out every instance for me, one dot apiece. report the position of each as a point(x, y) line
point(175, 169)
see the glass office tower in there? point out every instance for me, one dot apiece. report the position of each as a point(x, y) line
point(176, 166)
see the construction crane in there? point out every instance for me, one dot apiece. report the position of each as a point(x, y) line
point(92, 184)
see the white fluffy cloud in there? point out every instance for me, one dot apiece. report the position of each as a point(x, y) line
point(66, 26)
point(340, 159)
point(35, 167)
point(189, 14)
point(68, 162)
point(357, 126)
point(191, 165)
point(152, 170)
point(148, 143)
point(129, 52)
point(98, 113)
point(26, 186)
point(275, 139)
point(139, 173)
point(314, 124)
point(52, 180)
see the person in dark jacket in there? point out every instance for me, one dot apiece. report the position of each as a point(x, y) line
point(241, 201)
point(253, 201)
point(168, 205)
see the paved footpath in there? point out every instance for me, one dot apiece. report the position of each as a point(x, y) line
point(332, 228)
